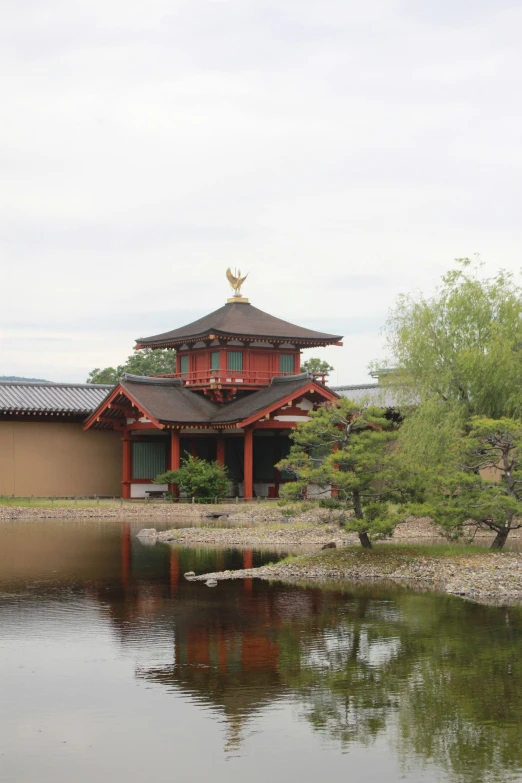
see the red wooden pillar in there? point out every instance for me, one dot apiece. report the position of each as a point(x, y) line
point(126, 554)
point(222, 651)
point(174, 455)
point(174, 571)
point(248, 464)
point(222, 360)
point(127, 466)
point(220, 451)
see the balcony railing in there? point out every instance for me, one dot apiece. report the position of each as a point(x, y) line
point(230, 377)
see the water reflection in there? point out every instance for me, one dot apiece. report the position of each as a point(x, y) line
point(360, 682)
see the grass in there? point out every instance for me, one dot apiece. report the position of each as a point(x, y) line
point(393, 555)
point(81, 502)
point(285, 560)
point(383, 559)
point(31, 502)
point(432, 550)
point(387, 556)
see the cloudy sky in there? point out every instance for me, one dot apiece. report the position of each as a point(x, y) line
point(341, 152)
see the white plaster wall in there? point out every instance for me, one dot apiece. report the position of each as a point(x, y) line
point(313, 491)
point(138, 490)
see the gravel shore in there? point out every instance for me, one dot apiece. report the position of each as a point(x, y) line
point(493, 578)
point(259, 535)
point(231, 516)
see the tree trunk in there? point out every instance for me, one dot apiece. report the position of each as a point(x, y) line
point(358, 513)
point(365, 541)
point(500, 538)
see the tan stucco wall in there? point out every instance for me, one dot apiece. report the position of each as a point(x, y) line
point(55, 458)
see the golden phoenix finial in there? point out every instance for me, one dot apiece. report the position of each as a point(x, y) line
point(236, 281)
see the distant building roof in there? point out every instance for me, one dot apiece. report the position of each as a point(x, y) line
point(45, 397)
point(385, 396)
point(238, 320)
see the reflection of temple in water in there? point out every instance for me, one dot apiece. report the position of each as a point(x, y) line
point(438, 676)
point(228, 649)
point(226, 642)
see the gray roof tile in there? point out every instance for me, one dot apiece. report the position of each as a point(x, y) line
point(33, 397)
point(384, 396)
point(169, 402)
point(240, 320)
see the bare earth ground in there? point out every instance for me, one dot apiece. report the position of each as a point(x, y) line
point(480, 576)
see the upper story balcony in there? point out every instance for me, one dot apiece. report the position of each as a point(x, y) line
point(223, 385)
point(217, 379)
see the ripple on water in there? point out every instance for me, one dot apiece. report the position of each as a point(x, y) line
point(116, 667)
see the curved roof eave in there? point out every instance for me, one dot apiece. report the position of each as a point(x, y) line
point(239, 320)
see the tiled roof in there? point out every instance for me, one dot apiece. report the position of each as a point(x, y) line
point(34, 397)
point(167, 401)
point(243, 408)
point(384, 396)
point(239, 320)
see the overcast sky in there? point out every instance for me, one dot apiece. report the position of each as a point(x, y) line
point(339, 151)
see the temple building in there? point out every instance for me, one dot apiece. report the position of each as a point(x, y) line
point(236, 395)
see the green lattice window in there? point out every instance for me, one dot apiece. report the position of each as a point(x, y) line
point(235, 360)
point(214, 361)
point(183, 365)
point(148, 460)
point(286, 362)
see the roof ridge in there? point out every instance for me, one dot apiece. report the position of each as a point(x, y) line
point(59, 384)
point(152, 380)
point(359, 386)
point(288, 378)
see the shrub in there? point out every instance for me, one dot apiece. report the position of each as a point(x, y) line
point(198, 478)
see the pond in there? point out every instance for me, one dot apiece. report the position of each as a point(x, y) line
point(114, 667)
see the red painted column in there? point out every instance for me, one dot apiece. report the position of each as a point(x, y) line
point(127, 466)
point(248, 464)
point(220, 451)
point(174, 571)
point(126, 554)
point(174, 455)
point(222, 651)
point(222, 360)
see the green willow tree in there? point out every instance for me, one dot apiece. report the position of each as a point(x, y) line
point(146, 361)
point(463, 345)
point(347, 445)
point(458, 355)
